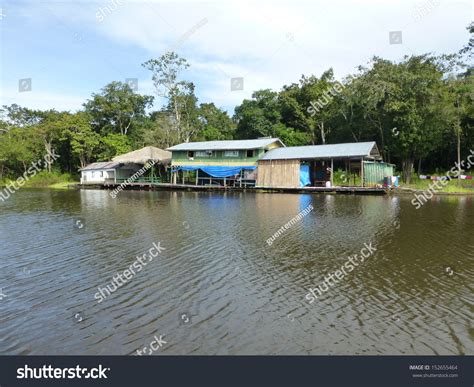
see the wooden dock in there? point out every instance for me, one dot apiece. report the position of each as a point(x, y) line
point(191, 187)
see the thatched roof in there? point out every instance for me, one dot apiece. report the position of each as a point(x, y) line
point(142, 156)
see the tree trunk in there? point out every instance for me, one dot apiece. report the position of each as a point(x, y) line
point(177, 115)
point(407, 168)
point(458, 132)
point(47, 147)
point(382, 139)
point(323, 135)
point(419, 166)
point(459, 150)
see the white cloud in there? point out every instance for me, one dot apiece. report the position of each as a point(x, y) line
point(42, 100)
point(273, 43)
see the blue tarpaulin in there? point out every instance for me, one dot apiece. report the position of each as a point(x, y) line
point(217, 171)
point(304, 175)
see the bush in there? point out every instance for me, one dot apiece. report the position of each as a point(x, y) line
point(43, 179)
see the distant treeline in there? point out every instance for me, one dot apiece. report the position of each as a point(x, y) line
point(420, 111)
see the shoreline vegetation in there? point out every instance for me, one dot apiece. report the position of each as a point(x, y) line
point(43, 179)
point(453, 188)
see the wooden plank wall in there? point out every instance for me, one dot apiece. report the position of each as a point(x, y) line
point(278, 173)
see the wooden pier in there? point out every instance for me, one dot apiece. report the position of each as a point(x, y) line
point(191, 187)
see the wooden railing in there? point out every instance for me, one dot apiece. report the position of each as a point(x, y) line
point(148, 180)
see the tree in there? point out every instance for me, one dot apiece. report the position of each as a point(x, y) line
point(406, 99)
point(311, 105)
point(187, 101)
point(83, 140)
point(117, 109)
point(215, 124)
point(468, 49)
point(459, 108)
point(353, 121)
point(20, 143)
point(181, 101)
point(161, 131)
point(290, 136)
point(257, 117)
point(264, 115)
point(114, 144)
point(19, 147)
point(50, 129)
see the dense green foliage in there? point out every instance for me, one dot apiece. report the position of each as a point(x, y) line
point(420, 111)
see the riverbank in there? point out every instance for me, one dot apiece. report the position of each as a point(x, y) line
point(454, 187)
point(44, 180)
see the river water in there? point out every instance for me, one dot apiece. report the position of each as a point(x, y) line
point(220, 288)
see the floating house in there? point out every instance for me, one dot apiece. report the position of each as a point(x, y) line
point(225, 163)
point(129, 165)
point(263, 163)
point(313, 165)
point(99, 173)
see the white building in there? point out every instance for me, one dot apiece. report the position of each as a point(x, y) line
point(124, 166)
point(99, 173)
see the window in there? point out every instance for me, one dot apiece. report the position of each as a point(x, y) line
point(232, 153)
point(250, 153)
point(204, 153)
point(190, 154)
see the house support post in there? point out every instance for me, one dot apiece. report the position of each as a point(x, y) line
point(362, 172)
point(197, 176)
point(332, 173)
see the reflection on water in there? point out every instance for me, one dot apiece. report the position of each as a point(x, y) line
point(239, 295)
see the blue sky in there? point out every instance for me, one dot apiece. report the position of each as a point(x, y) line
point(71, 49)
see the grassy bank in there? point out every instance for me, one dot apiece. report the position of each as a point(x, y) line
point(45, 180)
point(453, 187)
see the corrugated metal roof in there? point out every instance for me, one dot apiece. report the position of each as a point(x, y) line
point(354, 149)
point(225, 145)
point(101, 165)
